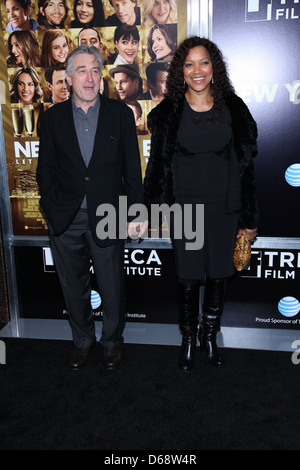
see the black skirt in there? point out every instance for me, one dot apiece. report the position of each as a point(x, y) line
point(215, 258)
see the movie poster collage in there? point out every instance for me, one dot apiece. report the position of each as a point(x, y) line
point(137, 39)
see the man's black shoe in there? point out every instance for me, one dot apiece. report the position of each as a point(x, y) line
point(79, 358)
point(111, 357)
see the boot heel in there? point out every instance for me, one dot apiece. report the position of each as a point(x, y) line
point(208, 344)
point(211, 317)
point(187, 353)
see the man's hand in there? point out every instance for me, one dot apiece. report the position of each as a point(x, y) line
point(136, 230)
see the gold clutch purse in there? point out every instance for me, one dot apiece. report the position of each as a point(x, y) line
point(242, 252)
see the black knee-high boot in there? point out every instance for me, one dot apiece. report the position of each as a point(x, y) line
point(188, 322)
point(211, 318)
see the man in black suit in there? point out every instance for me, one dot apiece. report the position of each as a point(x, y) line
point(89, 159)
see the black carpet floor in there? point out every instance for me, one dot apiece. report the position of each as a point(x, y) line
point(147, 404)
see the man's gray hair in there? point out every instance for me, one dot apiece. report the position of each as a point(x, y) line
point(84, 49)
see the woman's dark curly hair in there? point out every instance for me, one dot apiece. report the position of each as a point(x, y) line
point(176, 86)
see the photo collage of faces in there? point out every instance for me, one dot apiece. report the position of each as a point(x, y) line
point(137, 39)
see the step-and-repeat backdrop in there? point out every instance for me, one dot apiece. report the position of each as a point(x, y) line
point(259, 40)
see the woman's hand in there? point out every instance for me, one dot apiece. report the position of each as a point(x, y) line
point(250, 233)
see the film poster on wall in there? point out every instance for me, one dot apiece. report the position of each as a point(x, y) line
point(36, 38)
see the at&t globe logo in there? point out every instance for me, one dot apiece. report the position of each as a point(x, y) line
point(95, 300)
point(292, 175)
point(289, 306)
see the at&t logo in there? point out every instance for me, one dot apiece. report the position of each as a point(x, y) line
point(267, 10)
point(95, 300)
point(289, 306)
point(292, 175)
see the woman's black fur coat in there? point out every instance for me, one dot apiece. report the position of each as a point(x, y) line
point(163, 123)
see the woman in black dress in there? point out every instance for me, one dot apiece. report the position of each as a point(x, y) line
point(202, 148)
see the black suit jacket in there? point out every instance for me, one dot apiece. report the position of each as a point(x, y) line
point(114, 169)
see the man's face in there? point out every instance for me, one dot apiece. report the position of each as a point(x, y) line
point(85, 80)
point(159, 87)
point(125, 11)
point(90, 38)
point(54, 12)
point(59, 87)
point(126, 87)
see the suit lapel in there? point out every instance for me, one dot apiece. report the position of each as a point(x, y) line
point(71, 135)
point(103, 129)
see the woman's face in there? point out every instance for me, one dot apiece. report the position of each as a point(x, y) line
point(26, 88)
point(16, 51)
point(159, 45)
point(161, 11)
point(198, 70)
point(85, 11)
point(17, 16)
point(60, 49)
point(127, 48)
